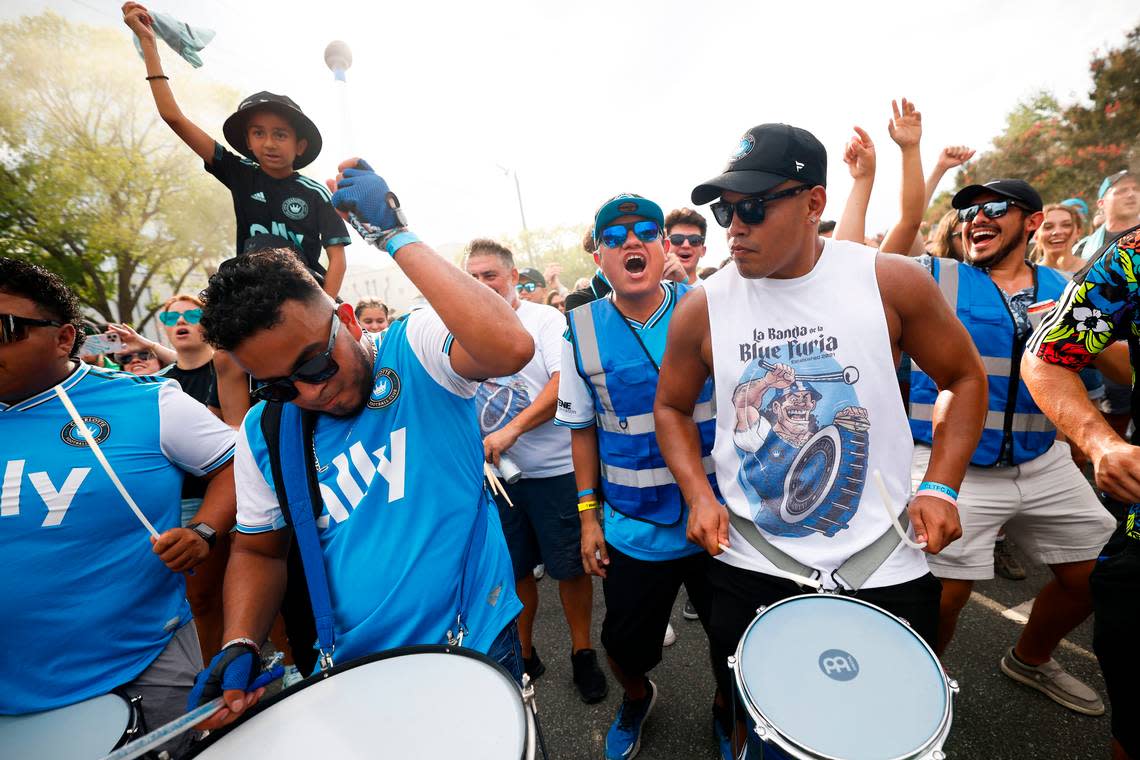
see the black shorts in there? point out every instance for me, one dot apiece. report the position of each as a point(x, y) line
point(639, 598)
point(543, 526)
point(1115, 584)
point(737, 594)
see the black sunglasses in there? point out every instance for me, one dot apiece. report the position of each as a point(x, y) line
point(992, 210)
point(678, 240)
point(127, 357)
point(14, 329)
point(316, 370)
point(751, 209)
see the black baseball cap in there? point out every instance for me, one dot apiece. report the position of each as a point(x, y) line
point(531, 274)
point(768, 155)
point(1015, 189)
point(234, 126)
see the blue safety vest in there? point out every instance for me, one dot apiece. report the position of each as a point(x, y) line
point(623, 381)
point(1012, 414)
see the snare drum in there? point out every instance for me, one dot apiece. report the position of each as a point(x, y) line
point(84, 731)
point(415, 702)
point(829, 676)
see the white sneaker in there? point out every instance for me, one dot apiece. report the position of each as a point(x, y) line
point(539, 572)
point(670, 636)
point(292, 676)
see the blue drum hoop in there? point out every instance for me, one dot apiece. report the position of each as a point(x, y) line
point(529, 745)
point(767, 729)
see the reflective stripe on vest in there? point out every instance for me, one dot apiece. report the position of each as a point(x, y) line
point(1012, 413)
point(623, 377)
point(658, 476)
point(1022, 422)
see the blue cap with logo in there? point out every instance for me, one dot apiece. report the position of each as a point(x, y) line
point(1109, 181)
point(626, 204)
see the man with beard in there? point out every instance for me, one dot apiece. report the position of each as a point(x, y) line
point(1019, 476)
point(411, 541)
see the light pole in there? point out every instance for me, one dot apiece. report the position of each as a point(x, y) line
point(518, 194)
point(338, 57)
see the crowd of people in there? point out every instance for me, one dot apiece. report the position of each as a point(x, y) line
point(664, 423)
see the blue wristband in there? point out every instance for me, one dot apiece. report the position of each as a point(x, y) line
point(398, 241)
point(586, 492)
point(928, 485)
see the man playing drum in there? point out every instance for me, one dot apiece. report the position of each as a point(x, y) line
point(411, 541)
point(802, 336)
point(91, 602)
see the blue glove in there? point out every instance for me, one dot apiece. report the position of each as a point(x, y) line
point(235, 667)
point(372, 208)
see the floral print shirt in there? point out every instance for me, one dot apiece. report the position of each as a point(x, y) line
point(1100, 307)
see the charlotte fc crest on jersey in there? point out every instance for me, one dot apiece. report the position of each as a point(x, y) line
point(295, 208)
point(98, 427)
point(385, 389)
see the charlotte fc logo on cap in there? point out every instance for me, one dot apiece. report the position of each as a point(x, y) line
point(295, 208)
point(96, 426)
point(747, 143)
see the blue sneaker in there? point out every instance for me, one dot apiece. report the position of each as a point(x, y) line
point(624, 737)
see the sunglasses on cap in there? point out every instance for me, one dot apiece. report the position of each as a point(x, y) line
point(615, 235)
point(316, 370)
point(127, 357)
point(678, 239)
point(170, 318)
point(14, 329)
point(529, 287)
point(751, 209)
point(992, 210)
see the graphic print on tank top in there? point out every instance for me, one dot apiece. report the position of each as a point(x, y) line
point(800, 433)
point(499, 401)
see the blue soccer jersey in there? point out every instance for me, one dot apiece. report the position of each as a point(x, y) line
point(402, 486)
point(85, 604)
point(636, 538)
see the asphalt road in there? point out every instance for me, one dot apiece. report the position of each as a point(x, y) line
point(994, 717)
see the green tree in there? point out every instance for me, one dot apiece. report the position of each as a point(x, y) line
point(556, 245)
point(92, 184)
point(1067, 151)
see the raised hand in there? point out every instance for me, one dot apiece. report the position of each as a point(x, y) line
point(138, 20)
point(906, 126)
point(954, 155)
point(859, 155)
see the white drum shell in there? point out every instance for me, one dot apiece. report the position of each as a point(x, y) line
point(84, 731)
point(904, 689)
point(416, 705)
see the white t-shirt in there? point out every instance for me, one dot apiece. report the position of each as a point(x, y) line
point(543, 452)
point(808, 408)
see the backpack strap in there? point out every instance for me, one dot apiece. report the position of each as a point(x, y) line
point(288, 433)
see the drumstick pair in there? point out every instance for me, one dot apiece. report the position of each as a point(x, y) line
point(496, 486)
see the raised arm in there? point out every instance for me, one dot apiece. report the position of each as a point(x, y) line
point(684, 369)
point(489, 339)
point(922, 324)
point(906, 130)
point(859, 155)
point(137, 18)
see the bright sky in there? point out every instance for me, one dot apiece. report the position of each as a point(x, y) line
point(588, 99)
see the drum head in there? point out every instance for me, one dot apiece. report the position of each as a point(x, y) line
point(85, 730)
point(415, 705)
point(842, 678)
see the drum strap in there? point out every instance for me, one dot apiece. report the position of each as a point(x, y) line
point(854, 572)
point(297, 475)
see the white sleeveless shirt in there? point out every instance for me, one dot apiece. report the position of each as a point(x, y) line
point(808, 407)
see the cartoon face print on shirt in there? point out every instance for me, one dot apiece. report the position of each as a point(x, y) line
point(801, 436)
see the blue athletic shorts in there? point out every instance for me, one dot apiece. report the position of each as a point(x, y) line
point(543, 527)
